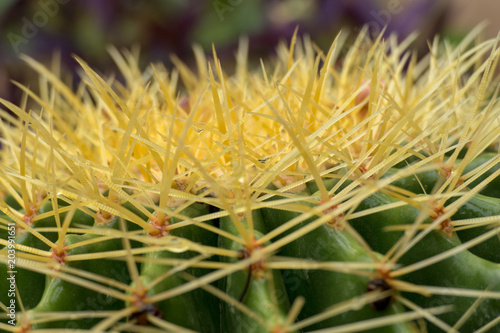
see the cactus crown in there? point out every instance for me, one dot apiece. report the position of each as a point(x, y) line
point(136, 166)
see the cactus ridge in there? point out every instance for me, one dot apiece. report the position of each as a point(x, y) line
point(348, 191)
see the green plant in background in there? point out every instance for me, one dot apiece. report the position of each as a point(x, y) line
point(350, 191)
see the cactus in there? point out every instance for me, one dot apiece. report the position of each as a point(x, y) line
point(347, 191)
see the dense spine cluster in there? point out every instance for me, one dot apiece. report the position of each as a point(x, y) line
point(348, 191)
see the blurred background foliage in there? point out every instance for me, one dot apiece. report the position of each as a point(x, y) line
point(164, 27)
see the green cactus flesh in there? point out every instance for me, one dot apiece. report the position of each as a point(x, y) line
point(359, 196)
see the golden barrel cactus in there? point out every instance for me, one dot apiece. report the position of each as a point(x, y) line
point(346, 191)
